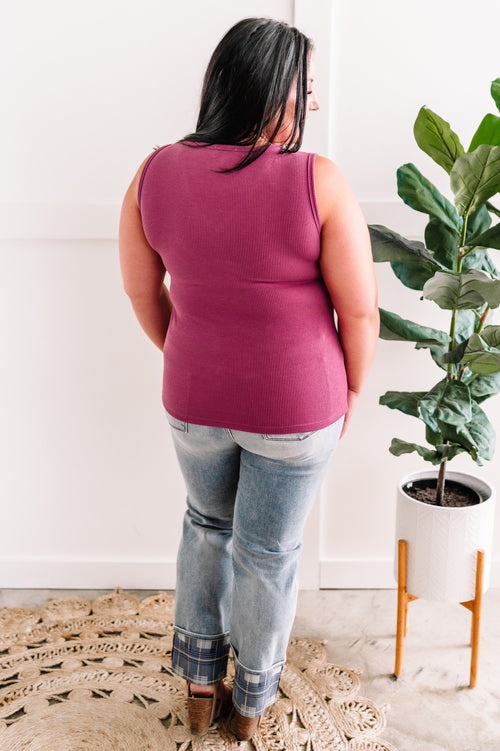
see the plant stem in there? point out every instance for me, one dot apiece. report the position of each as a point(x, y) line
point(441, 483)
point(450, 369)
point(451, 345)
point(463, 237)
point(466, 252)
point(483, 319)
point(453, 323)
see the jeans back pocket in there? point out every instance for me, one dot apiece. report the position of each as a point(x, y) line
point(288, 436)
point(177, 424)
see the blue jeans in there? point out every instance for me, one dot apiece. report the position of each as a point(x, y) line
point(248, 499)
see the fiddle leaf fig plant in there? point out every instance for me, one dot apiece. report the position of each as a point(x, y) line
point(452, 268)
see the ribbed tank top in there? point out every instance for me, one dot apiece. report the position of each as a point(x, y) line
point(251, 343)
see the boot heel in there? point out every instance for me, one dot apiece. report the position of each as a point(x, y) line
point(203, 710)
point(244, 727)
point(200, 713)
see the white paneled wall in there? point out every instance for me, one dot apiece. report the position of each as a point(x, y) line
point(90, 492)
point(390, 59)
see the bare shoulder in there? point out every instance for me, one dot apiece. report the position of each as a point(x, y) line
point(325, 169)
point(130, 217)
point(332, 189)
point(134, 185)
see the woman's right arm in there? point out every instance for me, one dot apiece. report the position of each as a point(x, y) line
point(142, 270)
point(348, 272)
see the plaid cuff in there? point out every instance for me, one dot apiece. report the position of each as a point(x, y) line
point(200, 659)
point(255, 690)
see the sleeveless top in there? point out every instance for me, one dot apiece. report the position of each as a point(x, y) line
point(251, 343)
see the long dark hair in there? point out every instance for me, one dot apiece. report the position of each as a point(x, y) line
point(247, 84)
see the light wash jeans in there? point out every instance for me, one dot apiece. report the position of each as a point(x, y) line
point(248, 499)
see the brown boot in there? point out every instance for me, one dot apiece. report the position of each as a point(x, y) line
point(244, 727)
point(203, 710)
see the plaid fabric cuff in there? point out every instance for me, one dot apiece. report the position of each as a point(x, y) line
point(255, 690)
point(200, 659)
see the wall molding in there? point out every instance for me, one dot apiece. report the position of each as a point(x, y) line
point(371, 574)
point(53, 221)
point(50, 221)
point(60, 573)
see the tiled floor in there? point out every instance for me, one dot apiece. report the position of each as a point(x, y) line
point(432, 707)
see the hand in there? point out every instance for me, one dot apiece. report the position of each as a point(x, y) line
point(352, 398)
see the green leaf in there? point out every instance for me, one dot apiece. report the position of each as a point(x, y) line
point(387, 245)
point(480, 356)
point(405, 401)
point(448, 402)
point(492, 209)
point(491, 335)
point(483, 432)
point(477, 222)
point(477, 437)
point(395, 328)
point(435, 439)
point(456, 353)
point(479, 259)
point(437, 354)
point(443, 242)
point(482, 387)
point(462, 291)
point(399, 447)
point(479, 283)
point(464, 325)
point(435, 136)
point(488, 239)
point(488, 132)
point(495, 91)
point(475, 177)
point(419, 193)
point(462, 437)
point(410, 260)
point(414, 275)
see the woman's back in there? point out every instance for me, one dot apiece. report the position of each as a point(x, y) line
point(251, 344)
point(260, 245)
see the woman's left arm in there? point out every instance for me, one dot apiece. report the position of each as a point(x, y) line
point(142, 269)
point(347, 268)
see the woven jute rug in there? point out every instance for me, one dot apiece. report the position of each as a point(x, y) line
point(95, 676)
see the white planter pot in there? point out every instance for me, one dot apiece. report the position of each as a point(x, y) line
point(442, 543)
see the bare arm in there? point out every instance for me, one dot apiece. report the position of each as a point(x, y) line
point(347, 268)
point(142, 270)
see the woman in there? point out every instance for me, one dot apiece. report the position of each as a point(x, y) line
point(262, 242)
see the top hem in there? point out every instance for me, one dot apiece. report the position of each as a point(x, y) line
point(260, 428)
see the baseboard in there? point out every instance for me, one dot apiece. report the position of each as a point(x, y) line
point(371, 574)
point(84, 574)
point(144, 574)
point(356, 574)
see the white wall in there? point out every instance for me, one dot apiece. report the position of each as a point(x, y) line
point(90, 492)
point(391, 58)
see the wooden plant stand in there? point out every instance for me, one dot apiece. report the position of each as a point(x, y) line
point(404, 598)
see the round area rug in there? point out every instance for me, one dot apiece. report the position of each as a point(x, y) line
point(82, 676)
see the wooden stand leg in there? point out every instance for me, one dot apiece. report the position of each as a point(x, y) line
point(475, 606)
point(401, 622)
point(403, 599)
